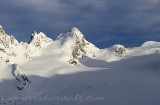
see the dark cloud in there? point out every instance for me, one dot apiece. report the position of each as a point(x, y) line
point(104, 22)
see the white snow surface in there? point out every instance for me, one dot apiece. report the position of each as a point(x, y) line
point(38, 73)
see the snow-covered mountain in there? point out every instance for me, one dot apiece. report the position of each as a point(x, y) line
point(75, 46)
point(70, 70)
point(12, 51)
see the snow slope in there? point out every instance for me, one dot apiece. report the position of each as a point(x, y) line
point(70, 70)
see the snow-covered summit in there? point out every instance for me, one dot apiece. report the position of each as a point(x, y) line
point(72, 33)
point(76, 32)
point(11, 51)
point(75, 45)
point(39, 39)
point(7, 41)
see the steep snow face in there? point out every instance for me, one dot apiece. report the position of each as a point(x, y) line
point(75, 45)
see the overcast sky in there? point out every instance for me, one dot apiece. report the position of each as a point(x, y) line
point(103, 22)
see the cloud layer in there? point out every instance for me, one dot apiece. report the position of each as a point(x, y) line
point(104, 22)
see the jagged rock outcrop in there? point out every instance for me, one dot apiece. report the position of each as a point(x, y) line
point(7, 41)
point(1, 30)
point(7, 45)
point(20, 80)
point(120, 51)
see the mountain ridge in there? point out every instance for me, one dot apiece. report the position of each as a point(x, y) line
point(72, 67)
point(72, 47)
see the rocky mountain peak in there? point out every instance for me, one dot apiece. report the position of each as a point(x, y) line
point(38, 38)
point(75, 32)
point(1, 30)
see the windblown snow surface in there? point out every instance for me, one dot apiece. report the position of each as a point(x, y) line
point(72, 71)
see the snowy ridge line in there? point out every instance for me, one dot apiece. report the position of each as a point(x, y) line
point(71, 66)
point(70, 47)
